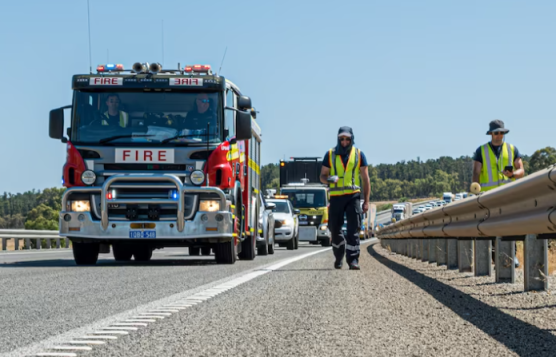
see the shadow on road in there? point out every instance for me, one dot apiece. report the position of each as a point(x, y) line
point(519, 336)
point(58, 263)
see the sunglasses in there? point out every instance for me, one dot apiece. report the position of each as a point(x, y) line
point(345, 139)
point(204, 100)
point(496, 133)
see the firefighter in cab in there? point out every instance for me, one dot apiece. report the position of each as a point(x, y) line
point(344, 169)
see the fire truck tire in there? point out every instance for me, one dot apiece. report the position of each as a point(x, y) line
point(194, 250)
point(225, 253)
point(85, 253)
point(205, 251)
point(122, 252)
point(142, 253)
point(263, 248)
point(291, 244)
point(248, 248)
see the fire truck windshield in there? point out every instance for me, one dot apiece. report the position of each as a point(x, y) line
point(146, 117)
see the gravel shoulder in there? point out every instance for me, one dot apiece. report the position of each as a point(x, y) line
point(392, 307)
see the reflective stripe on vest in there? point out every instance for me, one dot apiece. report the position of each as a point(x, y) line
point(491, 172)
point(349, 181)
point(123, 119)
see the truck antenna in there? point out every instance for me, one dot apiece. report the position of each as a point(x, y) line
point(223, 57)
point(89, 25)
point(162, 43)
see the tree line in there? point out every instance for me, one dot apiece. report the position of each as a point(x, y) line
point(416, 178)
point(405, 179)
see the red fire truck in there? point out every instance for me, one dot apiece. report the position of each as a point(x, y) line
point(159, 158)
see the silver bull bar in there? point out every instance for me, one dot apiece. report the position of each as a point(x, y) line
point(180, 189)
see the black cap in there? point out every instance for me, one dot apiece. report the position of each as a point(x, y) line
point(496, 126)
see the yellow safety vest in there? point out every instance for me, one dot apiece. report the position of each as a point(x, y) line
point(349, 181)
point(123, 119)
point(492, 171)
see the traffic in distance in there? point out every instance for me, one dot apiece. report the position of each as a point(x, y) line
point(171, 158)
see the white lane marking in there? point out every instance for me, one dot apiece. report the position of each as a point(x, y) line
point(87, 342)
point(77, 348)
point(58, 354)
point(139, 320)
point(184, 298)
point(115, 332)
point(129, 324)
point(101, 337)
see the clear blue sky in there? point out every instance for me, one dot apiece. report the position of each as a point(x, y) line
point(396, 71)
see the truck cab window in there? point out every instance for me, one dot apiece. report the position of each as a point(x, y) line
point(229, 121)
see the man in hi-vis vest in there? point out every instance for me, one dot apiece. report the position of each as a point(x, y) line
point(114, 116)
point(344, 168)
point(496, 163)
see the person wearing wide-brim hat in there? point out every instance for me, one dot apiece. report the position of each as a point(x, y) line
point(497, 163)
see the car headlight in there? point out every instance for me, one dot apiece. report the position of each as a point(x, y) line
point(80, 206)
point(209, 206)
point(323, 227)
point(197, 177)
point(286, 222)
point(88, 177)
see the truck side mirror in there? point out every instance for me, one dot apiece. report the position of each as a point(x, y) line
point(243, 125)
point(244, 102)
point(56, 124)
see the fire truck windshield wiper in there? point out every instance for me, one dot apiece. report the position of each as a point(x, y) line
point(188, 136)
point(116, 137)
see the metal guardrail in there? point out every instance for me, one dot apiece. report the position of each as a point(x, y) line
point(460, 234)
point(27, 235)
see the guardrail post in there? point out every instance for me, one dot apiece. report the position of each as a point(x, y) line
point(424, 250)
point(413, 248)
point(418, 248)
point(465, 255)
point(67, 243)
point(441, 251)
point(38, 243)
point(58, 245)
point(48, 243)
point(27, 243)
point(432, 250)
point(536, 263)
point(504, 261)
point(5, 243)
point(483, 258)
point(452, 253)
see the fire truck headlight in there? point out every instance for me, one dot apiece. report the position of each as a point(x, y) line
point(197, 177)
point(80, 206)
point(88, 177)
point(209, 206)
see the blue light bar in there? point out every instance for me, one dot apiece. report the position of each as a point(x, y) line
point(110, 67)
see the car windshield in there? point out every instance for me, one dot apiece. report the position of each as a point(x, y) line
point(281, 207)
point(146, 117)
point(306, 198)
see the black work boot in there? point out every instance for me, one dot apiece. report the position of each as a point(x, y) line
point(338, 264)
point(354, 265)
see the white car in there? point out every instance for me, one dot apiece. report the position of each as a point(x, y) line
point(288, 234)
point(417, 211)
point(458, 197)
point(428, 207)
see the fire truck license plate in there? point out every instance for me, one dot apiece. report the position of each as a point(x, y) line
point(142, 234)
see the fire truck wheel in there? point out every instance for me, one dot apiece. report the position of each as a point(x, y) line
point(122, 252)
point(142, 253)
point(205, 251)
point(263, 248)
point(85, 253)
point(225, 253)
point(248, 248)
point(291, 244)
point(194, 250)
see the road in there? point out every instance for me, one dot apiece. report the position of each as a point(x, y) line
point(291, 304)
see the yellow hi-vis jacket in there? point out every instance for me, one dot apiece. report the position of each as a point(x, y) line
point(349, 181)
point(124, 118)
point(492, 171)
